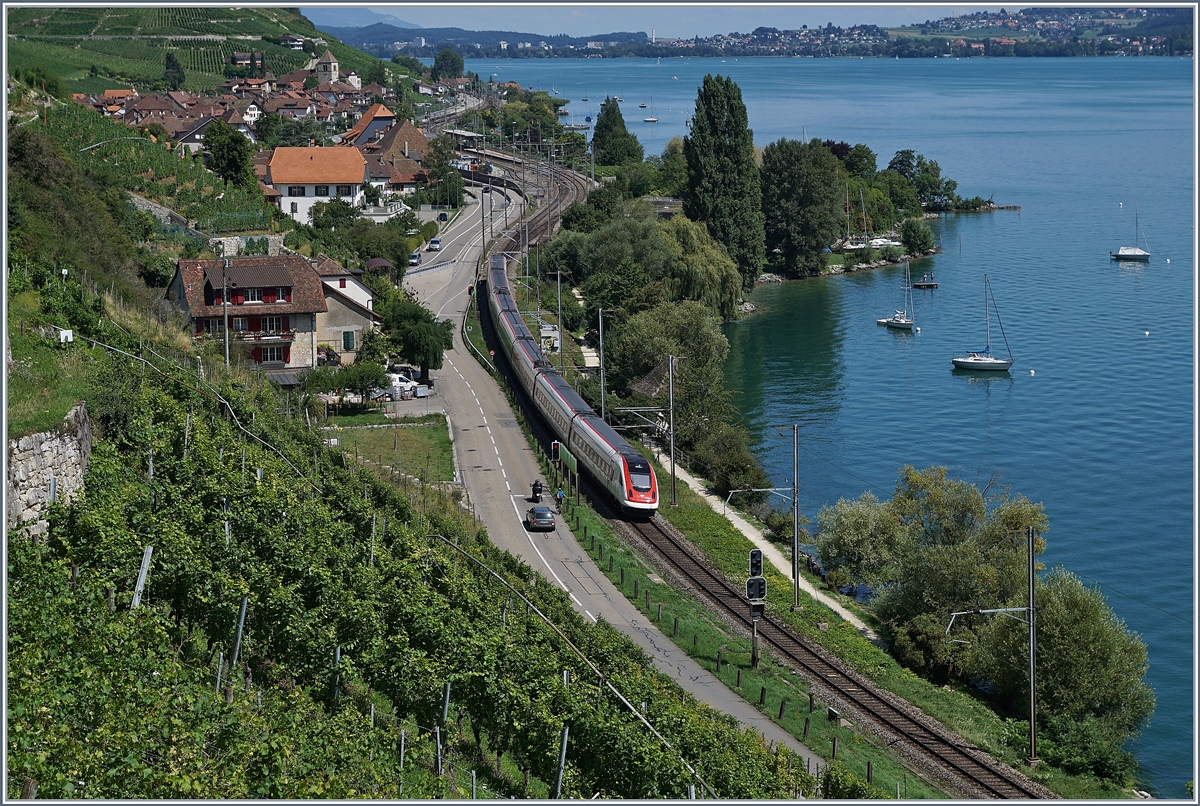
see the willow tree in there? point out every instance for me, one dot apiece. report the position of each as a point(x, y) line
point(723, 190)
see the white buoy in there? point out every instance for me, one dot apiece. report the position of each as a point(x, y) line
point(1168, 260)
point(1147, 332)
point(1120, 204)
point(918, 330)
point(1030, 372)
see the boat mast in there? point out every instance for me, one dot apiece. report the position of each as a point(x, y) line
point(987, 320)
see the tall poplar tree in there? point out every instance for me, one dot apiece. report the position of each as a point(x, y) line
point(723, 190)
point(173, 75)
point(611, 141)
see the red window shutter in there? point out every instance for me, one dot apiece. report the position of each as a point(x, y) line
point(287, 354)
point(257, 354)
point(286, 324)
point(255, 323)
point(239, 297)
point(269, 295)
point(342, 283)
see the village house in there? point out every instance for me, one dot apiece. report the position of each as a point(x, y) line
point(371, 126)
point(348, 313)
point(273, 307)
point(308, 176)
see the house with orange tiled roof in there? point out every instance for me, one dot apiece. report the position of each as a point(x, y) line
point(309, 176)
point(401, 141)
point(370, 126)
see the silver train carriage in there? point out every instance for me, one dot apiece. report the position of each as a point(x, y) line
point(605, 454)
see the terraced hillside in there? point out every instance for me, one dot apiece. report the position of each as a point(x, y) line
point(129, 45)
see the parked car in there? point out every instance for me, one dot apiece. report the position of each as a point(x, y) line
point(435, 244)
point(402, 383)
point(443, 217)
point(539, 518)
point(487, 188)
point(415, 258)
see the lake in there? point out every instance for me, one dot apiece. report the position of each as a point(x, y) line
point(1096, 417)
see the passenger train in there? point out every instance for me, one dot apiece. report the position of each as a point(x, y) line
point(612, 462)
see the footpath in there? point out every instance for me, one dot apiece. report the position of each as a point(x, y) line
point(771, 553)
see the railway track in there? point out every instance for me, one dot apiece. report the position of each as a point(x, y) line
point(927, 744)
point(946, 757)
point(563, 188)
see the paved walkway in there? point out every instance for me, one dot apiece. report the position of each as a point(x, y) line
point(771, 553)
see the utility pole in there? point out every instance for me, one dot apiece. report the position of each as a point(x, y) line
point(1033, 756)
point(602, 417)
point(671, 394)
point(561, 353)
point(795, 516)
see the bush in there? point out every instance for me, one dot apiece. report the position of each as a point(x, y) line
point(917, 237)
point(837, 579)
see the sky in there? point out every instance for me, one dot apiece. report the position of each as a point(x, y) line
point(667, 19)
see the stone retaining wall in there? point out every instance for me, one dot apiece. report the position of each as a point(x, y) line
point(38, 462)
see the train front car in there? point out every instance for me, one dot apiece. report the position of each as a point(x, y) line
point(641, 487)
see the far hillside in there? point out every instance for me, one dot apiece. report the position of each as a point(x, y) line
point(94, 49)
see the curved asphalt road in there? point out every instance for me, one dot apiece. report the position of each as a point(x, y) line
point(497, 467)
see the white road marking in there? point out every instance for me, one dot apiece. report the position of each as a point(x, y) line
point(589, 615)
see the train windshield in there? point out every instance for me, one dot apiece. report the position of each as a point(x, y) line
point(639, 473)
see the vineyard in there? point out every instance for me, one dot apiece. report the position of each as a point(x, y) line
point(151, 170)
point(131, 43)
point(305, 630)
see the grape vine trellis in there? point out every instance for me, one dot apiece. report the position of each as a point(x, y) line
point(160, 174)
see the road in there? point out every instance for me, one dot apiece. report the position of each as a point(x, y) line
point(498, 465)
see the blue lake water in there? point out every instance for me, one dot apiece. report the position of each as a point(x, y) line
point(1102, 430)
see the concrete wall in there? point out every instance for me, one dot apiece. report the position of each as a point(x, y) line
point(35, 459)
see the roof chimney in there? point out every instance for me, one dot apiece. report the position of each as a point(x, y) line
point(406, 149)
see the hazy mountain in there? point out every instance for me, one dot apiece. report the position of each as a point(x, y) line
point(343, 17)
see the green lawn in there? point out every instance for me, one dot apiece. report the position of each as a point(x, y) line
point(46, 380)
point(422, 450)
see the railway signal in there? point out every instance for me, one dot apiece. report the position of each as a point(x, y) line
point(756, 565)
point(756, 589)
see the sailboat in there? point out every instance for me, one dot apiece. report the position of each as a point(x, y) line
point(1131, 252)
point(652, 118)
point(902, 319)
point(983, 359)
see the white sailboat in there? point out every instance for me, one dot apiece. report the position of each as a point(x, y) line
point(902, 320)
point(983, 359)
point(1132, 252)
point(652, 118)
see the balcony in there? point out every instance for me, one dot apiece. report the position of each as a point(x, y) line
point(253, 336)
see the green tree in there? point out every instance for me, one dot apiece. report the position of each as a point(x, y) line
point(448, 63)
point(723, 190)
point(917, 237)
point(1091, 671)
point(861, 536)
point(802, 208)
point(900, 190)
point(311, 82)
point(361, 378)
point(230, 153)
point(421, 338)
point(672, 170)
point(377, 74)
point(611, 141)
point(173, 75)
point(860, 162)
point(333, 214)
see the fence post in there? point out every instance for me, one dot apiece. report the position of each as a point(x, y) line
point(29, 789)
point(562, 763)
point(141, 580)
point(446, 703)
point(437, 735)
